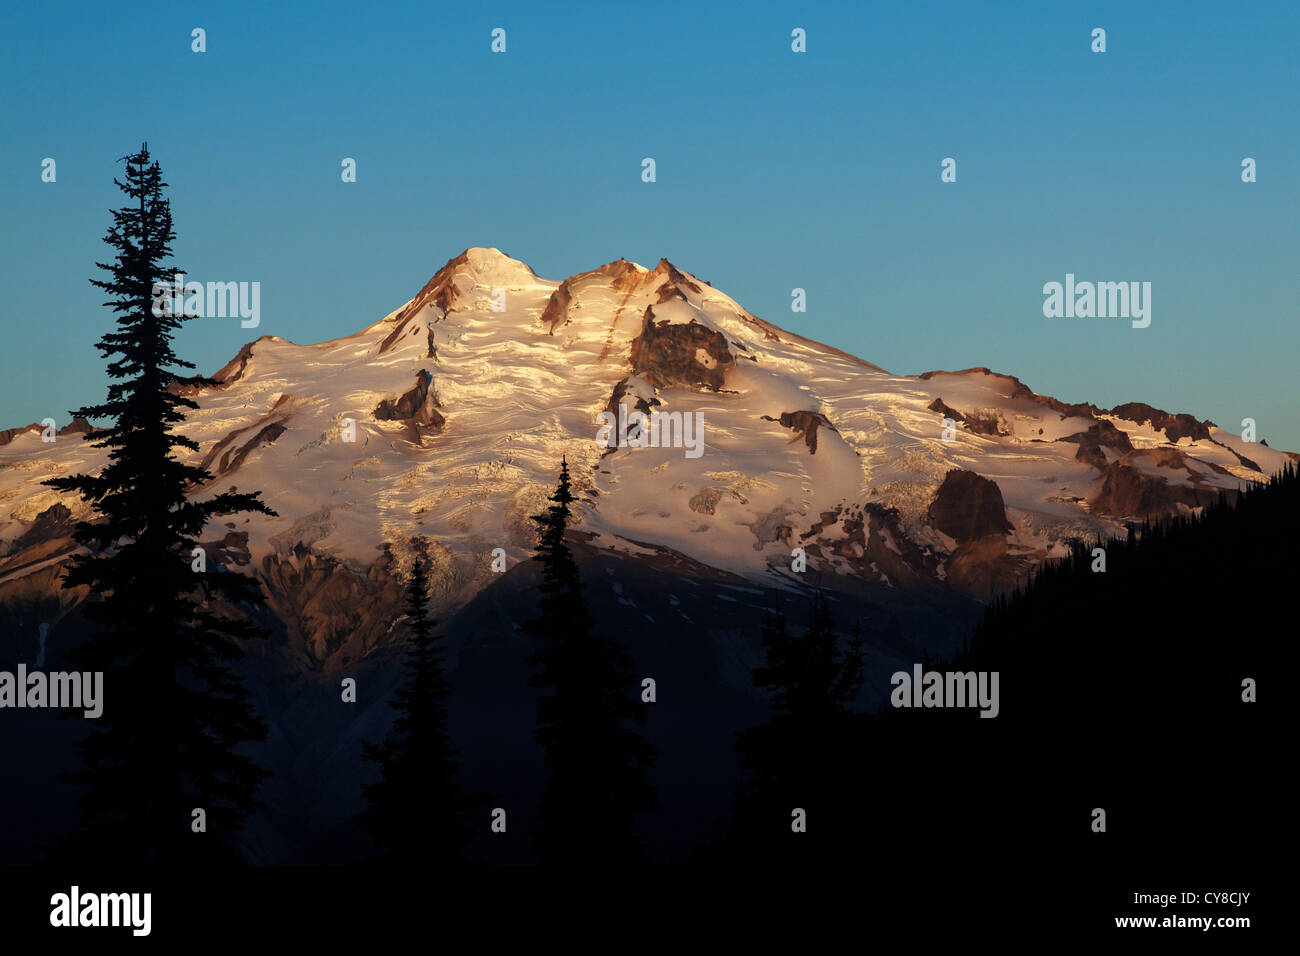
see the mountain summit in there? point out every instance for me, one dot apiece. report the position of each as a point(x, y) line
point(448, 417)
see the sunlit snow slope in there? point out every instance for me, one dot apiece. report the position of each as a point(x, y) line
point(461, 403)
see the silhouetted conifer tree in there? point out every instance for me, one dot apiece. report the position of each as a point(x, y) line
point(597, 761)
point(415, 809)
point(804, 757)
point(175, 713)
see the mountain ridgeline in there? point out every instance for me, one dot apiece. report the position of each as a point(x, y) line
point(923, 495)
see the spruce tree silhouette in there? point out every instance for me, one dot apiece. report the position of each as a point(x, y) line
point(416, 812)
point(803, 757)
point(597, 762)
point(174, 710)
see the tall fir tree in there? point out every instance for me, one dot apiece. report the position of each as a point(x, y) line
point(597, 760)
point(805, 756)
point(175, 711)
point(415, 810)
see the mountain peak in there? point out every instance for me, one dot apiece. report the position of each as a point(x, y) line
point(447, 418)
point(489, 267)
point(675, 275)
point(476, 267)
point(491, 261)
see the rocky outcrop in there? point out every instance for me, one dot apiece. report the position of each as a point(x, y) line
point(49, 536)
point(233, 458)
point(969, 509)
point(233, 370)
point(677, 280)
point(78, 426)
point(333, 614)
point(980, 422)
point(225, 456)
point(869, 539)
point(54, 522)
point(1018, 389)
point(687, 354)
point(9, 434)
point(439, 292)
point(556, 312)
point(417, 408)
point(968, 506)
point(705, 501)
point(805, 425)
point(626, 388)
point(228, 374)
point(1104, 434)
point(1174, 426)
point(1126, 492)
point(230, 550)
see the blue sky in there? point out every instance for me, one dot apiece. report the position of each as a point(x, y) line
point(775, 170)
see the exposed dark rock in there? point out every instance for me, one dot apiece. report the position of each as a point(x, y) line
point(229, 373)
point(943, 408)
point(805, 425)
point(1018, 389)
point(676, 278)
point(975, 422)
point(968, 506)
point(556, 312)
point(265, 435)
point(873, 544)
point(54, 522)
point(417, 407)
point(9, 434)
point(234, 369)
point(1127, 492)
point(266, 430)
point(334, 615)
point(623, 388)
point(1103, 434)
point(231, 550)
point(1174, 426)
point(666, 354)
point(78, 426)
point(669, 291)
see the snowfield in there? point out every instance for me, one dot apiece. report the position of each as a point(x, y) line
point(518, 370)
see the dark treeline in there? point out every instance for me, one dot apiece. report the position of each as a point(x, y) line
point(1123, 689)
point(1119, 689)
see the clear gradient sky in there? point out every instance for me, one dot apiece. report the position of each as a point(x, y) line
point(775, 170)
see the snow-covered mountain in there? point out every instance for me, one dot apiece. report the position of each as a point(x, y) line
point(448, 418)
